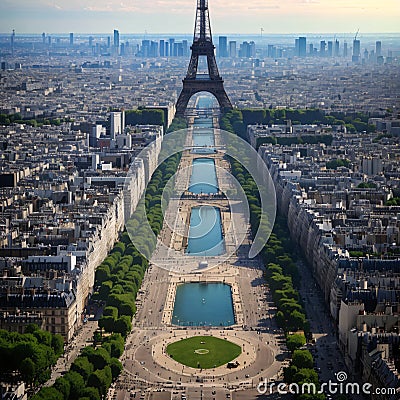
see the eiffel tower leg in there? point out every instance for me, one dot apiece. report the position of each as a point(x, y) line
point(182, 102)
point(223, 99)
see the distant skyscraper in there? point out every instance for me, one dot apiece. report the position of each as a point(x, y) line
point(171, 47)
point(322, 48)
point(185, 47)
point(252, 49)
point(71, 39)
point(223, 46)
point(336, 49)
point(378, 49)
point(345, 50)
point(311, 49)
point(271, 51)
point(116, 124)
point(145, 48)
point(116, 39)
point(108, 42)
point(162, 48)
point(232, 49)
point(356, 50)
point(244, 50)
point(166, 49)
point(153, 49)
point(179, 49)
point(330, 48)
point(43, 38)
point(302, 46)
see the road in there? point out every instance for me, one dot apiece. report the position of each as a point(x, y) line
point(82, 338)
point(328, 358)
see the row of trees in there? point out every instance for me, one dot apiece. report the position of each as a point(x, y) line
point(156, 193)
point(301, 371)
point(281, 270)
point(283, 278)
point(8, 119)
point(145, 116)
point(29, 356)
point(177, 124)
point(301, 139)
point(118, 279)
point(91, 373)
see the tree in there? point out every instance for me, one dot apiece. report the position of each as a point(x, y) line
point(306, 375)
point(116, 368)
point(102, 273)
point(114, 344)
point(30, 328)
point(287, 306)
point(128, 309)
point(123, 325)
point(302, 359)
point(296, 320)
point(111, 312)
point(28, 370)
point(105, 289)
point(280, 319)
point(63, 386)
point(82, 366)
point(77, 384)
point(99, 357)
point(57, 343)
point(294, 342)
point(101, 379)
point(107, 323)
point(289, 373)
point(91, 393)
point(48, 393)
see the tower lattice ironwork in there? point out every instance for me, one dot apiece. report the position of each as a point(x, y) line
point(202, 46)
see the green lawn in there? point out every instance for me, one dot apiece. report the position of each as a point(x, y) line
point(213, 351)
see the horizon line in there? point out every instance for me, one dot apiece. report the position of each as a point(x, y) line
point(191, 34)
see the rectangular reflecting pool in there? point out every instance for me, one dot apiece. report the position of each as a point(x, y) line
point(203, 141)
point(205, 232)
point(204, 177)
point(203, 136)
point(203, 304)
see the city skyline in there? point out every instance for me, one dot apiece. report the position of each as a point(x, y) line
point(273, 16)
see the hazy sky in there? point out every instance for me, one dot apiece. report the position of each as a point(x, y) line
point(227, 16)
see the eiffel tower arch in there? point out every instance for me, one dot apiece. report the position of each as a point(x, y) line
point(202, 46)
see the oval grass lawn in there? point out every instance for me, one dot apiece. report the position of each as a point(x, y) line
point(220, 351)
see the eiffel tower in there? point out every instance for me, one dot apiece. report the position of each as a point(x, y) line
point(202, 46)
